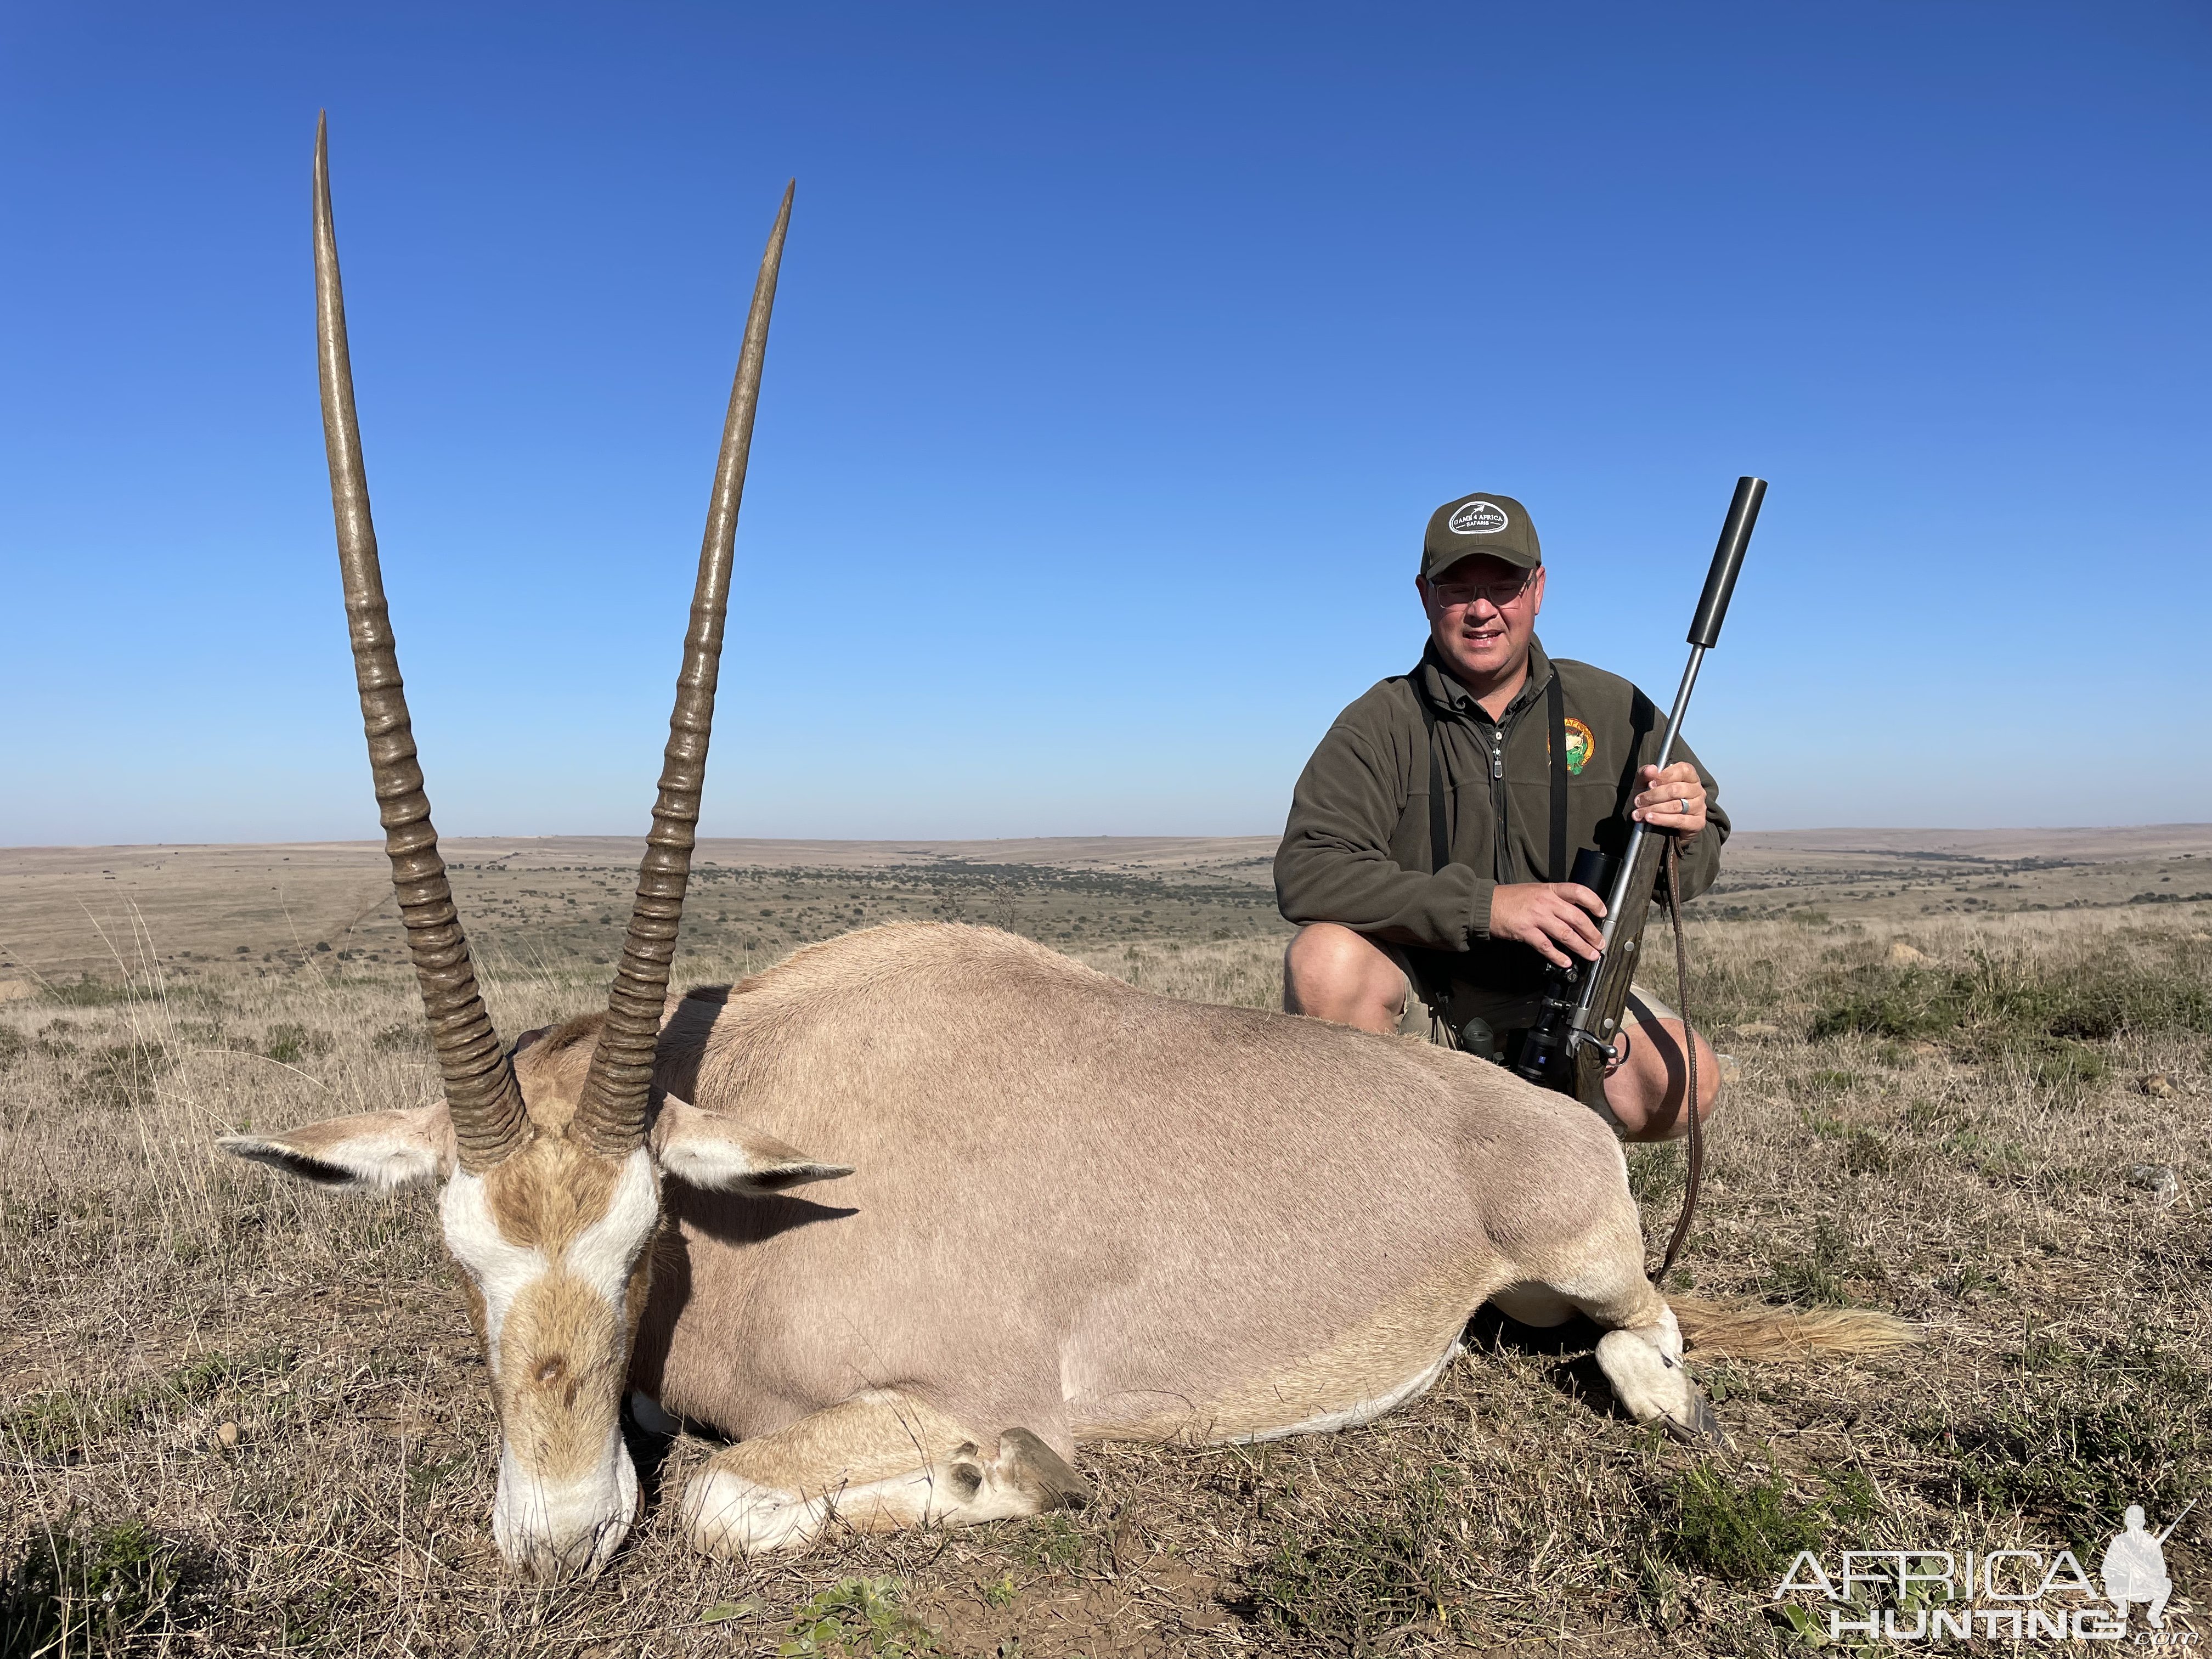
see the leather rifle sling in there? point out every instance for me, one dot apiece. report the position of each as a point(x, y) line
point(1439, 855)
point(1430, 989)
point(1697, 1170)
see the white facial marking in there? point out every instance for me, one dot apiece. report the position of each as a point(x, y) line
point(502, 1270)
point(575, 1522)
point(606, 1251)
point(601, 1256)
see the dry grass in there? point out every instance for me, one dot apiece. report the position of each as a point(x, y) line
point(253, 1417)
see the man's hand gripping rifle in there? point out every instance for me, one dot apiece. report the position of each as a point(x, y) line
point(1578, 1037)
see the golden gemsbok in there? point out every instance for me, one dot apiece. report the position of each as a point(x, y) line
point(1061, 1209)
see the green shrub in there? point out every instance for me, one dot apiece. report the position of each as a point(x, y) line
point(1881, 1003)
point(1866, 1152)
point(858, 1617)
point(407, 1037)
point(1748, 1533)
point(200, 1380)
point(57, 1425)
point(291, 1043)
point(62, 1425)
point(86, 1589)
point(122, 1074)
point(89, 992)
point(2067, 1065)
point(1815, 1277)
point(2123, 985)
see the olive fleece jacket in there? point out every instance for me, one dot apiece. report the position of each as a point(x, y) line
point(1357, 847)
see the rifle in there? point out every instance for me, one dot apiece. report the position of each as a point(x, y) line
point(1577, 1035)
point(2160, 1538)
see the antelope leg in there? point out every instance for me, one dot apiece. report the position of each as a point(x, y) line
point(877, 1464)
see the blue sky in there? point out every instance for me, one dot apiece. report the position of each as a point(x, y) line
point(1121, 356)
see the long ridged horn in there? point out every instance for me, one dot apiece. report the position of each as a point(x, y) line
point(610, 1118)
point(489, 1121)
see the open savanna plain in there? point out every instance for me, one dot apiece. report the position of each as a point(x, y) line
point(1968, 1086)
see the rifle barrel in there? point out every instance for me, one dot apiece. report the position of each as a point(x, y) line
point(1617, 898)
point(2176, 1520)
point(1704, 633)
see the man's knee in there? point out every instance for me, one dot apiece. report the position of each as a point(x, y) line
point(1647, 1093)
point(1709, 1070)
point(1331, 972)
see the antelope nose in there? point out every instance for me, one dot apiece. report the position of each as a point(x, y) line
point(552, 1529)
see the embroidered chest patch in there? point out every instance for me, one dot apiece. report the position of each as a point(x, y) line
point(1582, 744)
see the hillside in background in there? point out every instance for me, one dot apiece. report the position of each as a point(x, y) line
point(562, 901)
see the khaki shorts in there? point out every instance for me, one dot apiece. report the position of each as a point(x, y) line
point(1440, 1021)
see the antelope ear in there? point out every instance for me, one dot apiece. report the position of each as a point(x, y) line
point(370, 1152)
point(707, 1150)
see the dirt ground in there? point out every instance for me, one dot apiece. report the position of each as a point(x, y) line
point(236, 1416)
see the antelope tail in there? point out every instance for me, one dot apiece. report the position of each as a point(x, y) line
point(1756, 1333)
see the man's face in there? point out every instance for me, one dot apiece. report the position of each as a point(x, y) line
point(1480, 624)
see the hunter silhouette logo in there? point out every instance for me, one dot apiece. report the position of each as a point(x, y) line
point(1477, 519)
point(2134, 1567)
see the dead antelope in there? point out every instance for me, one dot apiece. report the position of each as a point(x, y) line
point(1066, 1210)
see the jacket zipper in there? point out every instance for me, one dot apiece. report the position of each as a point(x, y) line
point(1499, 732)
point(1504, 856)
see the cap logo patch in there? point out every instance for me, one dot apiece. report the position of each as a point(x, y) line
point(1477, 519)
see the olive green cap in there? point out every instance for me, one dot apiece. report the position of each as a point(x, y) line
point(1482, 523)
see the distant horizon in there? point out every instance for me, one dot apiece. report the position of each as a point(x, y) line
point(447, 841)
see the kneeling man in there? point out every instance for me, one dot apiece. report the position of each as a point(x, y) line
point(1431, 837)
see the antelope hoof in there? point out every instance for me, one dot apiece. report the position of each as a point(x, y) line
point(1030, 1465)
point(1702, 1429)
point(1655, 1388)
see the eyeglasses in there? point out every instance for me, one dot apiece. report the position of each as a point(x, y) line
point(1451, 595)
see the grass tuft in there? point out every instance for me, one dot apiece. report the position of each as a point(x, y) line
point(1350, 1577)
point(1747, 1533)
point(2002, 999)
point(80, 1588)
point(1820, 1276)
point(2076, 1433)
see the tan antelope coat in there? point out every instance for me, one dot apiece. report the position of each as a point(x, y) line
point(1093, 1212)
